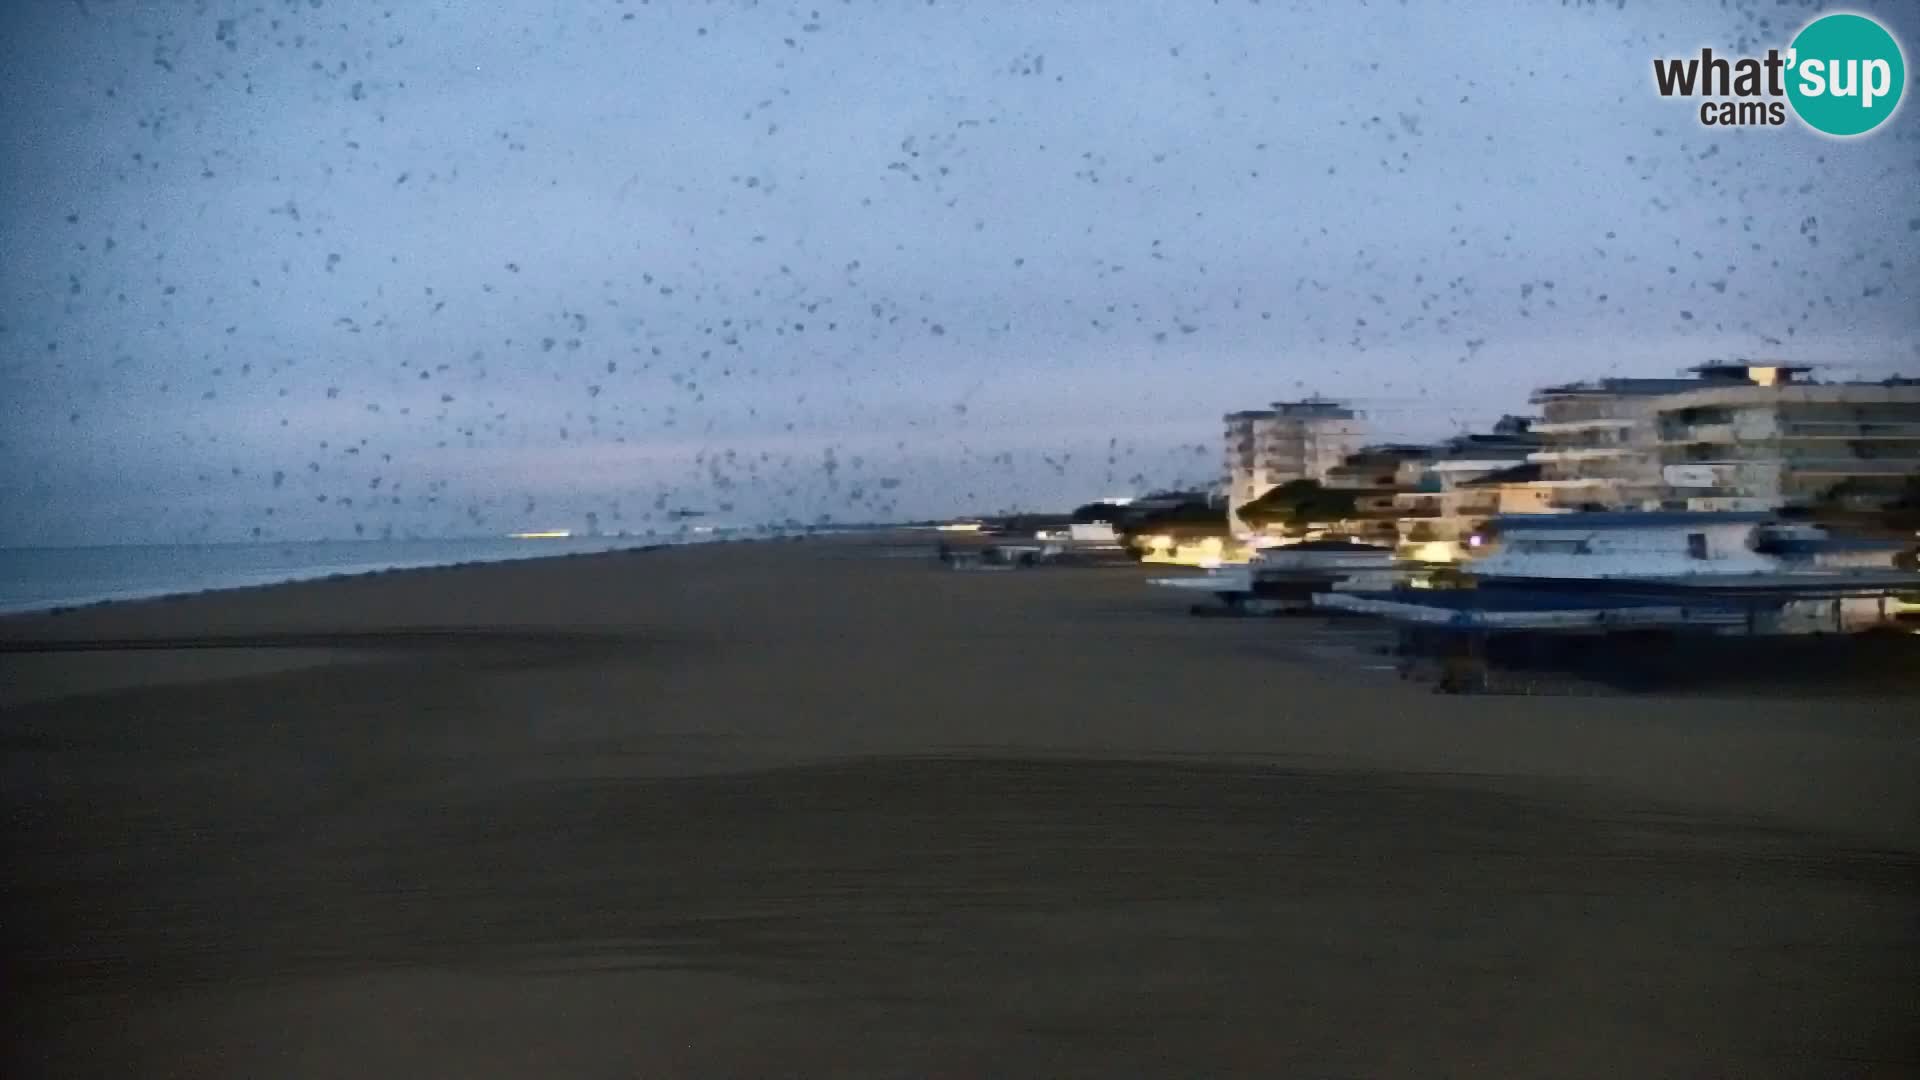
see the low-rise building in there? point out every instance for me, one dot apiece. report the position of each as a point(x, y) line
point(1453, 532)
point(1467, 480)
point(1658, 572)
point(1356, 499)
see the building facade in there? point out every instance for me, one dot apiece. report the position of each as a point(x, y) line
point(1597, 446)
point(1293, 440)
point(1246, 480)
point(1738, 436)
point(1468, 479)
point(1759, 447)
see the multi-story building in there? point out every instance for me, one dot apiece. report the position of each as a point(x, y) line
point(1246, 480)
point(1293, 440)
point(1738, 436)
point(1785, 443)
point(1597, 443)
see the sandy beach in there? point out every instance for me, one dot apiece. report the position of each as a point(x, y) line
point(821, 807)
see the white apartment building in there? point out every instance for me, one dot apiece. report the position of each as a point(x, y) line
point(1597, 447)
point(1738, 436)
point(1761, 446)
point(1292, 440)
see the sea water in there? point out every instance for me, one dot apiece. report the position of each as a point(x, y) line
point(34, 579)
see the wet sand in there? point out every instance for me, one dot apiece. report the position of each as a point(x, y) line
point(799, 809)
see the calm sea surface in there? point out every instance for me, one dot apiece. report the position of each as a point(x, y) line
point(32, 579)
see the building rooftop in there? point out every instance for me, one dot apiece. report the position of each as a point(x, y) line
point(1515, 599)
point(1313, 407)
point(1618, 388)
point(1872, 581)
point(1393, 450)
point(1816, 545)
point(1517, 474)
point(1688, 599)
point(1758, 372)
point(1713, 375)
point(1498, 438)
point(1330, 545)
point(1486, 447)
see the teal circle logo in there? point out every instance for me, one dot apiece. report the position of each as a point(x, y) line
point(1845, 74)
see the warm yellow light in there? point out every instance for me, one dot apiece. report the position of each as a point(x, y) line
point(543, 534)
point(962, 526)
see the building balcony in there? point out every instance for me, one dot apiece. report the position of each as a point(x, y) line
point(1583, 453)
point(1836, 431)
point(1711, 434)
point(1576, 483)
point(1603, 423)
point(1704, 474)
point(1851, 430)
point(1472, 467)
point(1852, 466)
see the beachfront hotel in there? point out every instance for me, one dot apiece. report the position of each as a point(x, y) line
point(1762, 445)
point(1737, 436)
point(1597, 448)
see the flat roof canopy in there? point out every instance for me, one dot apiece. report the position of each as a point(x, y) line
point(1786, 586)
point(1588, 521)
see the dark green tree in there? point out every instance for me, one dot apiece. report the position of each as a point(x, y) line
point(1299, 503)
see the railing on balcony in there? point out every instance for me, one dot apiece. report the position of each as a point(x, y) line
point(1585, 453)
point(1851, 429)
point(1846, 466)
point(1699, 433)
point(1605, 423)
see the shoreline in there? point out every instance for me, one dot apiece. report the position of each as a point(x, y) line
point(165, 593)
point(298, 576)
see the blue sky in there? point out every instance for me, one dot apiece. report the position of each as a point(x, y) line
point(335, 269)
